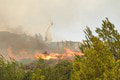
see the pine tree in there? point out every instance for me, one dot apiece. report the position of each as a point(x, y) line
point(98, 62)
point(109, 34)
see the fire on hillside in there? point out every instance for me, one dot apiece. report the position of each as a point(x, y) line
point(67, 55)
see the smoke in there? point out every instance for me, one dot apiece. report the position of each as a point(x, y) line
point(21, 12)
point(17, 30)
point(69, 16)
point(33, 15)
point(48, 36)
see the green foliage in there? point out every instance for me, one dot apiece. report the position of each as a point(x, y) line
point(61, 71)
point(10, 70)
point(109, 34)
point(28, 75)
point(101, 61)
point(97, 64)
point(37, 75)
point(101, 55)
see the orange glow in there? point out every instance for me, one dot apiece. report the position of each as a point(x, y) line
point(11, 54)
point(22, 54)
point(69, 54)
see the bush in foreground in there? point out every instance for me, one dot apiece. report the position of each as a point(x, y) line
point(101, 59)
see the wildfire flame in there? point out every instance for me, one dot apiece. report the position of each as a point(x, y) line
point(67, 55)
point(22, 54)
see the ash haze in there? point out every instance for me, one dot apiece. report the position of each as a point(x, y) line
point(70, 17)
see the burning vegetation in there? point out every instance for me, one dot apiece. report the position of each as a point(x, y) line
point(67, 55)
point(100, 58)
point(23, 46)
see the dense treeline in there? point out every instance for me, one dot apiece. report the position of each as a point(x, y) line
point(101, 61)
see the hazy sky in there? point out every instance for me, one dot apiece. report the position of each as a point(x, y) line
point(70, 17)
